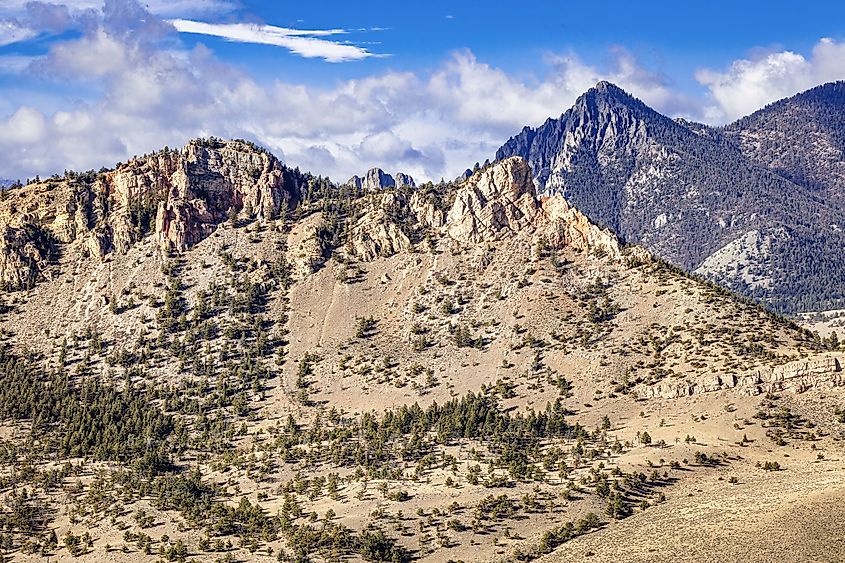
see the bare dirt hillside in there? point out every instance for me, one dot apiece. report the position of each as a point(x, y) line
point(309, 372)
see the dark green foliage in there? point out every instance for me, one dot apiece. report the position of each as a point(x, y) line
point(375, 546)
point(555, 537)
point(712, 189)
point(87, 418)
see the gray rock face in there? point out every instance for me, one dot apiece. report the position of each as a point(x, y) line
point(378, 179)
point(687, 192)
point(403, 179)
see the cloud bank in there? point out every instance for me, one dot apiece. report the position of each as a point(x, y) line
point(749, 84)
point(143, 90)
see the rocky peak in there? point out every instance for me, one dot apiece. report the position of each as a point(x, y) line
point(496, 202)
point(378, 179)
point(178, 196)
point(403, 179)
point(500, 201)
point(662, 183)
point(493, 202)
point(212, 181)
point(603, 121)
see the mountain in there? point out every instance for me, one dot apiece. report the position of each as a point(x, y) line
point(692, 195)
point(802, 138)
point(206, 353)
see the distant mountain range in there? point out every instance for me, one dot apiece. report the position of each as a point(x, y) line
point(756, 205)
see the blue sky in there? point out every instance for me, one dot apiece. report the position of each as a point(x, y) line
point(337, 87)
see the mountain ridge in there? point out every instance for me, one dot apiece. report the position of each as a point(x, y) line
point(691, 195)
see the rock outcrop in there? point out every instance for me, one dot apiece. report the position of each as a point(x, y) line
point(426, 211)
point(403, 179)
point(376, 233)
point(500, 201)
point(797, 376)
point(562, 225)
point(212, 182)
point(493, 203)
point(180, 197)
point(25, 253)
point(378, 179)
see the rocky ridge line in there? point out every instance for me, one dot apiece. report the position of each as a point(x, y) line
point(796, 376)
point(181, 197)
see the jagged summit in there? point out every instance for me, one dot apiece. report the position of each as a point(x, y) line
point(609, 89)
point(377, 179)
point(178, 198)
point(737, 205)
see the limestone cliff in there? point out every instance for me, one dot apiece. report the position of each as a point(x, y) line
point(180, 197)
point(495, 203)
point(822, 372)
point(500, 201)
point(177, 196)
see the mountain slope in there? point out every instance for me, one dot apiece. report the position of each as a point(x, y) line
point(691, 196)
point(802, 138)
point(466, 371)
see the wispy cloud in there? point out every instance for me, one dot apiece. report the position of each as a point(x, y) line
point(162, 8)
point(306, 43)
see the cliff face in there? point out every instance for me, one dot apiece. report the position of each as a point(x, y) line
point(378, 179)
point(824, 372)
point(493, 204)
point(207, 185)
point(180, 197)
point(501, 201)
point(24, 255)
point(177, 196)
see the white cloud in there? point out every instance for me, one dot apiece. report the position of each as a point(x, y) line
point(14, 64)
point(430, 125)
point(11, 31)
point(307, 43)
point(749, 84)
point(142, 92)
point(163, 8)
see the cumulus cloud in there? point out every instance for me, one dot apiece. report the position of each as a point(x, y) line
point(749, 84)
point(144, 90)
point(430, 125)
point(306, 43)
